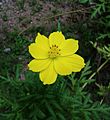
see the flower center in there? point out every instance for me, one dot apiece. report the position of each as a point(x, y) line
point(54, 51)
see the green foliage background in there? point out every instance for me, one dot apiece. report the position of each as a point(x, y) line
point(64, 100)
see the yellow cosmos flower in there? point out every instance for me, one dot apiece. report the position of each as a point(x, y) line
point(53, 56)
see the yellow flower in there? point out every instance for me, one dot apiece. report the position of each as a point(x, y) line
point(53, 56)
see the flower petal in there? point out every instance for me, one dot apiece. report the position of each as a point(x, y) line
point(67, 65)
point(78, 63)
point(42, 41)
point(38, 51)
point(56, 38)
point(62, 65)
point(49, 75)
point(39, 65)
point(69, 47)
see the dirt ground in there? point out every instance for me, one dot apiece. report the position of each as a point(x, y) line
point(22, 15)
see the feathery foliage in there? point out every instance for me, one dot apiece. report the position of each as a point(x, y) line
point(65, 100)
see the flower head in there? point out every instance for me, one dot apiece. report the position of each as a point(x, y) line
point(54, 55)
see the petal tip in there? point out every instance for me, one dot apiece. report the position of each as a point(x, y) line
point(59, 31)
point(44, 83)
point(28, 66)
point(38, 34)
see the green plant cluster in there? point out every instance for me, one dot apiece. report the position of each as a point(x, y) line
point(67, 99)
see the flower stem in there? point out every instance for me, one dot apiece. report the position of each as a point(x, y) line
point(96, 72)
point(59, 26)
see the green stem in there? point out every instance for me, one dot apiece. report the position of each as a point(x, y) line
point(96, 72)
point(59, 26)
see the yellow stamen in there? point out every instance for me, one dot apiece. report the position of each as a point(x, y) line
point(54, 51)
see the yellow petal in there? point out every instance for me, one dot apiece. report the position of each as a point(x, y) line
point(69, 47)
point(38, 51)
point(62, 65)
point(67, 65)
point(49, 75)
point(78, 63)
point(39, 65)
point(56, 38)
point(42, 41)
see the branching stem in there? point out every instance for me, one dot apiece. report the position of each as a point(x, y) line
point(103, 64)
